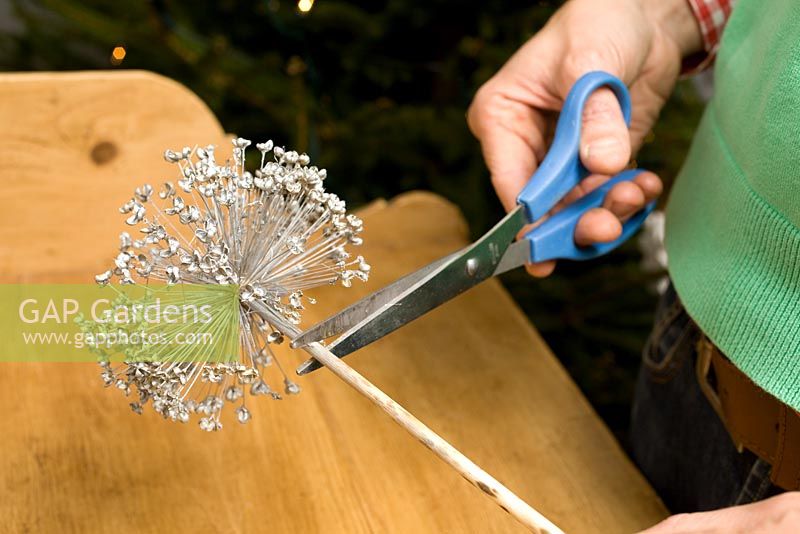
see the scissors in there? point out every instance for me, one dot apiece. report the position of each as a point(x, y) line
point(410, 297)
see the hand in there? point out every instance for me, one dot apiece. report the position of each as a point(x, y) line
point(640, 41)
point(778, 515)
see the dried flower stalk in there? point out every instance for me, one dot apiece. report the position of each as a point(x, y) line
point(275, 234)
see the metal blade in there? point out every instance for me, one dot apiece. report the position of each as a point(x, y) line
point(465, 270)
point(358, 311)
point(517, 255)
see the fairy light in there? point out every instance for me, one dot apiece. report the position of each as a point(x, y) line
point(305, 5)
point(275, 233)
point(118, 54)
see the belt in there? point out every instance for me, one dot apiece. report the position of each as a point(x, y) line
point(755, 419)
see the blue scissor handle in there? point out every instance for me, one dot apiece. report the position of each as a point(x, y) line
point(554, 238)
point(562, 169)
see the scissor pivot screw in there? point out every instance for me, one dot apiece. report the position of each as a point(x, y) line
point(472, 266)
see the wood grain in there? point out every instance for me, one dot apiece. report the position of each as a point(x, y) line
point(75, 459)
point(73, 146)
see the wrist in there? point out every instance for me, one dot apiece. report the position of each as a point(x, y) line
point(678, 22)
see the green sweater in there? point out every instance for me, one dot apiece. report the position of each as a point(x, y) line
point(733, 220)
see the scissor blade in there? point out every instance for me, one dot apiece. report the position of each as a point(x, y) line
point(360, 310)
point(465, 270)
point(517, 255)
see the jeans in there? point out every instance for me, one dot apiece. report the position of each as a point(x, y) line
point(678, 441)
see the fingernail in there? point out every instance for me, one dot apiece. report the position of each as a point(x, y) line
point(602, 148)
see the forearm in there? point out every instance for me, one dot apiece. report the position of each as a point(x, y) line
point(677, 20)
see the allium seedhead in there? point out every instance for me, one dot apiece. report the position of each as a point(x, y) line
point(275, 233)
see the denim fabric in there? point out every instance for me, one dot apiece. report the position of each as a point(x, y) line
point(678, 440)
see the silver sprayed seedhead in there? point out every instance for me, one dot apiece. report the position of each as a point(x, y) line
point(275, 233)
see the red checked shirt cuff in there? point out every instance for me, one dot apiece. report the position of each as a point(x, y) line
point(711, 15)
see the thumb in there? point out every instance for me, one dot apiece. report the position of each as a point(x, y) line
point(605, 139)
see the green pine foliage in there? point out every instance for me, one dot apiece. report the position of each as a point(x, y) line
point(376, 91)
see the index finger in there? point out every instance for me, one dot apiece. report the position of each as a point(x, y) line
point(512, 140)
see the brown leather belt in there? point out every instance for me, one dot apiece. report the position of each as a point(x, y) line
point(755, 419)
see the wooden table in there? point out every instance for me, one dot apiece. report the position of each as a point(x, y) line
point(75, 459)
